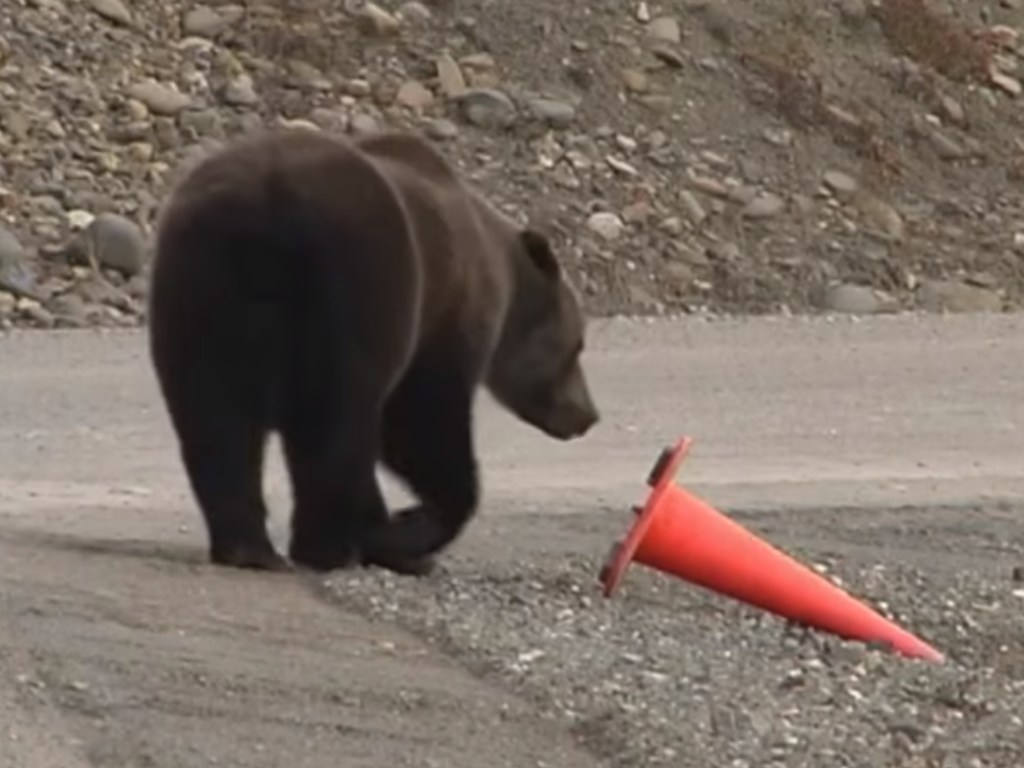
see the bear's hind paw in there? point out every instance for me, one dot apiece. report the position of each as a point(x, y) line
point(262, 557)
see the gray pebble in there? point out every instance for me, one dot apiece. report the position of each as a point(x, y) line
point(558, 114)
point(112, 10)
point(114, 242)
point(241, 92)
point(487, 108)
point(159, 99)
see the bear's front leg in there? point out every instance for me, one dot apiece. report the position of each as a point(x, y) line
point(428, 443)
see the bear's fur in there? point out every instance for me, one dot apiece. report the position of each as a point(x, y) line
point(351, 295)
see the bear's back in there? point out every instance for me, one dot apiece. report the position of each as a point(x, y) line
point(459, 233)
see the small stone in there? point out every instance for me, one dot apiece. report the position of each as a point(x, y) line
point(141, 151)
point(414, 13)
point(691, 205)
point(851, 299)
point(679, 273)
point(635, 80)
point(203, 123)
point(953, 110)
point(441, 129)
point(665, 29)
point(477, 61)
point(362, 123)
point(719, 22)
point(742, 194)
point(709, 186)
point(112, 10)
point(765, 206)
point(15, 273)
point(780, 137)
point(1003, 81)
point(558, 114)
point(71, 309)
point(36, 313)
point(301, 74)
point(945, 147)
point(953, 296)
point(329, 119)
point(17, 124)
point(375, 20)
point(637, 213)
point(853, 12)
point(112, 241)
point(241, 92)
point(621, 166)
point(159, 99)
point(79, 220)
point(413, 95)
point(881, 216)
point(841, 184)
point(488, 108)
point(358, 88)
point(668, 54)
point(606, 225)
point(203, 21)
point(55, 129)
point(298, 124)
point(11, 248)
point(449, 76)
point(8, 304)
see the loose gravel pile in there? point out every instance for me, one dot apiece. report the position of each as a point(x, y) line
point(667, 674)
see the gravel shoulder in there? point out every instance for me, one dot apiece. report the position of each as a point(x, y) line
point(883, 451)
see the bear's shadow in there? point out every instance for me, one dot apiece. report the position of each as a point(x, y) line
point(147, 550)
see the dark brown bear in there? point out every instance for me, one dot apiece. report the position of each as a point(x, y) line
point(350, 295)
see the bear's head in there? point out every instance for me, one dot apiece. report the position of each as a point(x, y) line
point(535, 371)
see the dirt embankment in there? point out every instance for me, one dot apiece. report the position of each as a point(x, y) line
point(698, 155)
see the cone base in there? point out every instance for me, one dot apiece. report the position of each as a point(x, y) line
point(660, 478)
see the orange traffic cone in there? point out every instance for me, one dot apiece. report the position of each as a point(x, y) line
point(679, 534)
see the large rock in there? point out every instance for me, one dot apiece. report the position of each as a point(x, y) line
point(954, 296)
point(111, 241)
point(16, 275)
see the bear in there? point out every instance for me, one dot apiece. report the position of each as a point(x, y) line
point(350, 294)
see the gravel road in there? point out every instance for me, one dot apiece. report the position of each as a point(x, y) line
point(885, 451)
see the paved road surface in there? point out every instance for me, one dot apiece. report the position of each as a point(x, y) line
point(120, 647)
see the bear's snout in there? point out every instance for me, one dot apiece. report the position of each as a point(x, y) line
point(572, 413)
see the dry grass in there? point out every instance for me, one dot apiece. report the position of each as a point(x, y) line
point(788, 66)
point(295, 29)
point(934, 39)
point(785, 61)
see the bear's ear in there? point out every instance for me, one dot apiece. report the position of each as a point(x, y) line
point(538, 250)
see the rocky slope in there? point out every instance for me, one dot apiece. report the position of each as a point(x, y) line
point(694, 155)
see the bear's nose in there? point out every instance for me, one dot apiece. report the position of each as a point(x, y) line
point(574, 421)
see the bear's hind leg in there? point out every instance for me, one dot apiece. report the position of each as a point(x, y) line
point(428, 443)
point(222, 449)
point(330, 447)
